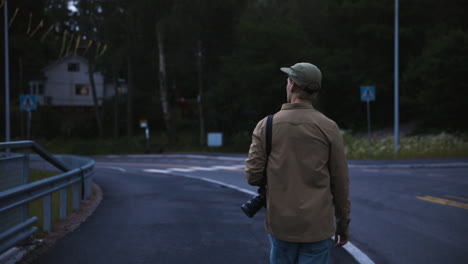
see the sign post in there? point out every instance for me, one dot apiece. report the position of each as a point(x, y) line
point(144, 124)
point(396, 85)
point(7, 77)
point(367, 95)
point(28, 102)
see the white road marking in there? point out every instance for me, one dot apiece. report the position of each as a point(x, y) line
point(112, 167)
point(181, 170)
point(230, 186)
point(192, 169)
point(352, 163)
point(203, 169)
point(224, 167)
point(183, 156)
point(156, 171)
point(357, 254)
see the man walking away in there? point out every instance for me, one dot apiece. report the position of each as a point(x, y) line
point(306, 177)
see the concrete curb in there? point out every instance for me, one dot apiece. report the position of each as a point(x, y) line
point(13, 255)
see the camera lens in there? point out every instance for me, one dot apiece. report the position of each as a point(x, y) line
point(252, 206)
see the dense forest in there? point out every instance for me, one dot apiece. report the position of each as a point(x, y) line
point(209, 65)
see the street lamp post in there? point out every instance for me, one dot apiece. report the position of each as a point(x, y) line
point(397, 132)
point(7, 76)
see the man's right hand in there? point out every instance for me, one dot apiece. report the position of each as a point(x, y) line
point(340, 239)
point(342, 233)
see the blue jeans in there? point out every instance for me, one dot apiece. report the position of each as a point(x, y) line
point(283, 252)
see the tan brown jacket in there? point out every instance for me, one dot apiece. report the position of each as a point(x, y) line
point(307, 174)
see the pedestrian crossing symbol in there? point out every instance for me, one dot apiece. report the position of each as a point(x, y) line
point(367, 93)
point(28, 102)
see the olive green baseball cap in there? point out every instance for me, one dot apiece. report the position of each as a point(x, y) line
point(305, 75)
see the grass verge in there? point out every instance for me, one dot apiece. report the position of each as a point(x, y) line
point(441, 145)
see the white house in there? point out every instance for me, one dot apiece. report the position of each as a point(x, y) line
point(67, 84)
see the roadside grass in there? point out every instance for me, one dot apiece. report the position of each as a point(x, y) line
point(158, 143)
point(124, 145)
point(36, 207)
point(442, 145)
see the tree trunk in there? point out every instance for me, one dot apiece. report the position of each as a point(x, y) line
point(130, 97)
point(131, 24)
point(200, 94)
point(116, 104)
point(163, 84)
point(95, 99)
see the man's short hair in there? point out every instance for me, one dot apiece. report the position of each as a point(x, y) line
point(308, 92)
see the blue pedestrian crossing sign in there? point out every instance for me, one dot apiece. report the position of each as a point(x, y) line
point(367, 93)
point(28, 102)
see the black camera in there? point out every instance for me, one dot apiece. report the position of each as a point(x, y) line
point(252, 206)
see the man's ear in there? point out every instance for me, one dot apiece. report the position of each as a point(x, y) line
point(293, 86)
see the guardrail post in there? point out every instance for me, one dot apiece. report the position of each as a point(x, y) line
point(63, 204)
point(26, 181)
point(85, 189)
point(89, 185)
point(82, 184)
point(76, 196)
point(47, 209)
point(89, 181)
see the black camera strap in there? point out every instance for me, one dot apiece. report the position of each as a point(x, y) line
point(269, 128)
point(252, 206)
point(268, 132)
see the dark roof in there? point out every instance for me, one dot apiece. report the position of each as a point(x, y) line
point(64, 59)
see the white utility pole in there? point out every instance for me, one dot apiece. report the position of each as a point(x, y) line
point(397, 132)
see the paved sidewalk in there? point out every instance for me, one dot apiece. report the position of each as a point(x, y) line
point(166, 219)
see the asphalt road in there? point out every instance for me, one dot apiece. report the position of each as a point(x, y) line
point(397, 217)
point(400, 214)
point(151, 217)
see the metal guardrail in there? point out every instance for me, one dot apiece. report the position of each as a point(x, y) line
point(80, 178)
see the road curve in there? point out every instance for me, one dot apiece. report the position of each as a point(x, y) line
point(160, 218)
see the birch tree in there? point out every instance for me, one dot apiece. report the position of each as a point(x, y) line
point(163, 90)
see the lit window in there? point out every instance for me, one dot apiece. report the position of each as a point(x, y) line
point(81, 89)
point(73, 67)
